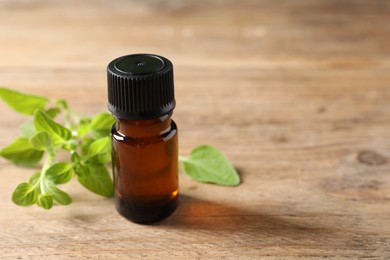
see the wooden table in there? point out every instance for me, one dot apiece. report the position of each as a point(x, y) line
point(296, 93)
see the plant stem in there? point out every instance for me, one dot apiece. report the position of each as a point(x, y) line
point(46, 165)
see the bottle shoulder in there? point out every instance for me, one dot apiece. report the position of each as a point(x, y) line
point(163, 136)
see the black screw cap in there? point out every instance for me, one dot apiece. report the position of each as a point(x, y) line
point(140, 86)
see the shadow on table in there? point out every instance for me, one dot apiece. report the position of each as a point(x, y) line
point(202, 215)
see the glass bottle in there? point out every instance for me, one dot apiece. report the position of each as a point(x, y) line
point(144, 137)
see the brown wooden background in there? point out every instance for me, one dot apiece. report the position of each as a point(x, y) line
point(296, 93)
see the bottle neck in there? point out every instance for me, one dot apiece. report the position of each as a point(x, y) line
point(144, 128)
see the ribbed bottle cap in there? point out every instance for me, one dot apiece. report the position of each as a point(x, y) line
point(140, 86)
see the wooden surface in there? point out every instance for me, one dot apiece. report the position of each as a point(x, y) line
point(296, 93)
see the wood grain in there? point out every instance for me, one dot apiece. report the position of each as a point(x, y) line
point(296, 93)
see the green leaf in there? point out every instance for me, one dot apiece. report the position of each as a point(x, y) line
point(75, 158)
point(62, 104)
point(95, 178)
point(208, 164)
point(60, 173)
point(42, 141)
point(21, 152)
point(58, 133)
point(70, 145)
point(21, 102)
point(101, 125)
point(27, 128)
point(53, 112)
point(60, 196)
point(102, 121)
point(100, 150)
point(84, 126)
point(85, 144)
point(34, 178)
point(45, 201)
point(25, 195)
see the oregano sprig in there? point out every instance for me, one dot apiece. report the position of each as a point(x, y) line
point(87, 141)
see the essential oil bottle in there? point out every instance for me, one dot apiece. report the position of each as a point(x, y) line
point(144, 137)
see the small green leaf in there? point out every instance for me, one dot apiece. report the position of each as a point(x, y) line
point(60, 173)
point(53, 112)
point(84, 126)
point(85, 144)
point(102, 121)
point(100, 150)
point(42, 141)
point(75, 158)
point(208, 164)
point(34, 178)
point(62, 104)
point(95, 178)
point(27, 128)
point(21, 152)
point(101, 125)
point(60, 196)
point(21, 102)
point(25, 195)
point(45, 201)
point(58, 133)
point(70, 145)
point(97, 134)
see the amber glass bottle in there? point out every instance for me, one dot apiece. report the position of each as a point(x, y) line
point(144, 138)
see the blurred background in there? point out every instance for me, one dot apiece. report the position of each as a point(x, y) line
point(296, 93)
point(238, 64)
